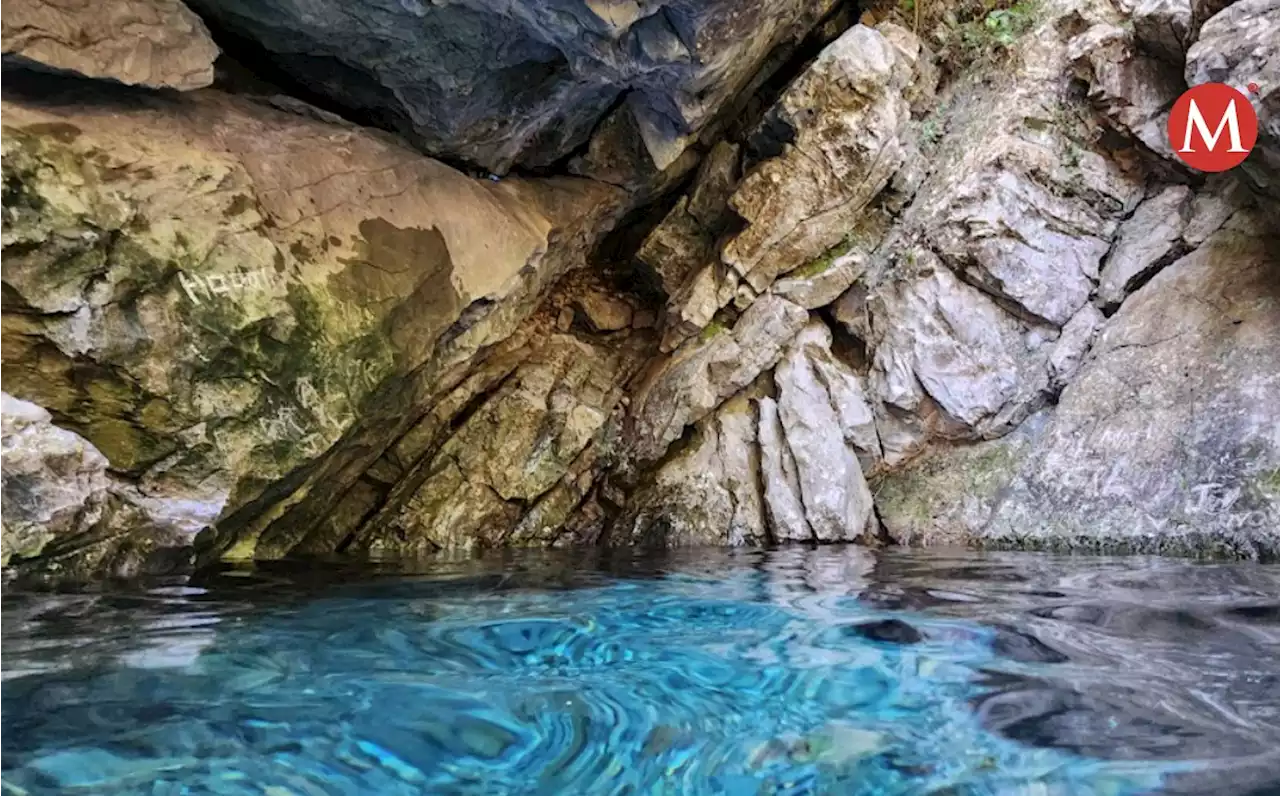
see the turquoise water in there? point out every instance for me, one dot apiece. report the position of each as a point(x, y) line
point(795, 672)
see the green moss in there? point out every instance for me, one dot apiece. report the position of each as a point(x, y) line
point(820, 265)
point(1266, 485)
point(712, 329)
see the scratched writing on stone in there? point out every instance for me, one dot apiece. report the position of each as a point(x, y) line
point(205, 288)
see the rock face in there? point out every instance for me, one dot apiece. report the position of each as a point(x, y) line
point(67, 517)
point(803, 202)
point(993, 312)
point(1166, 441)
point(1237, 46)
point(154, 43)
point(497, 83)
point(213, 293)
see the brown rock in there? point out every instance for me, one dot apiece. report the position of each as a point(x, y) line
point(155, 43)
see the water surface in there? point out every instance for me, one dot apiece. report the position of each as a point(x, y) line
point(800, 671)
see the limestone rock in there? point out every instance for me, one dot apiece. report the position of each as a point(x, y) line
point(781, 478)
point(1166, 440)
point(497, 83)
point(66, 518)
point(940, 342)
point(55, 483)
point(1147, 241)
point(708, 369)
point(155, 43)
point(946, 496)
point(516, 447)
point(1132, 90)
point(802, 202)
point(823, 284)
point(1221, 196)
point(604, 313)
point(1238, 46)
point(708, 493)
point(213, 292)
point(692, 308)
point(1162, 27)
point(1070, 349)
point(833, 491)
point(1020, 241)
point(1029, 198)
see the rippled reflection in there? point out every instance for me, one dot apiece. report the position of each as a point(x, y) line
point(798, 671)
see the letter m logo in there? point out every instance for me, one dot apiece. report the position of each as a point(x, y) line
point(1212, 127)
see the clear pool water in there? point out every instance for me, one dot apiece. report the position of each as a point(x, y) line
point(800, 671)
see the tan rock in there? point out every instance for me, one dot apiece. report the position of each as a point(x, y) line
point(801, 203)
point(604, 312)
point(213, 290)
point(708, 369)
point(155, 43)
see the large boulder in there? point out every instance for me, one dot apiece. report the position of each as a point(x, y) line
point(499, 83)
point(213, 293)
point(153, 43)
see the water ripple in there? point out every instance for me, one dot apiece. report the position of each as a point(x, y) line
point(797, 671)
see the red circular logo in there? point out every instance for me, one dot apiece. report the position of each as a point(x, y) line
point(1212, 127)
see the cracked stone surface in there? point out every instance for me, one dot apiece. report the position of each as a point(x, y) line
point(1166, 440)
point(803, 202)
point(211, 292)
point(498, 83)
point(154, 43)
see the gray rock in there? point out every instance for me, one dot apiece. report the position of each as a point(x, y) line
point(497, 83)
point(709, 493)
point(155, 43)
point(1131, 89)
point(1238, 46)
point(837, 502)
point(708, 369)
point(941, 342)
point(55, 482)
point(66, 518)
point(1017, 240)
point(1162, 27)
point(1166, 440)
point(823, 286)
point(1147, 241)
point(801, 203)
point(781, 478)
point(1221, 196)
point(946, 496)
point(1072, 345)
